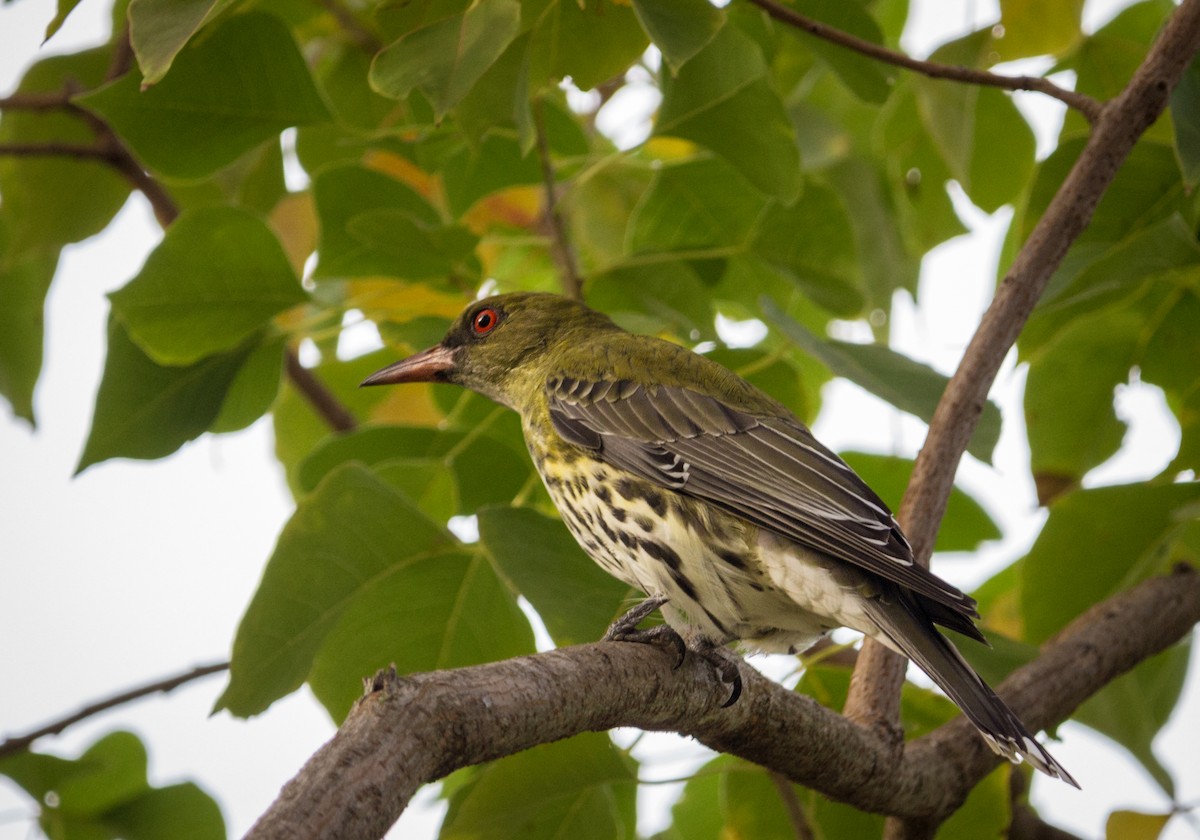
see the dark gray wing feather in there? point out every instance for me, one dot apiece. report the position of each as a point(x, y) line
point(768, 470)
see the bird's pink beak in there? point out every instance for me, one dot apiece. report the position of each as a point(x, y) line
point(430, 365)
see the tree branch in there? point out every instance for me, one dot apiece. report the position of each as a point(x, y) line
point(408, 731)
point(1086, 105)
point(328, 407)
point(18, 743)
point(879, 674)
point(561, 248)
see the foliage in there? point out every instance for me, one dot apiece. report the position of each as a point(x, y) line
point(779, 178)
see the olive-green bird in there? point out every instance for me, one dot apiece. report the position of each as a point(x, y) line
point(682, 479)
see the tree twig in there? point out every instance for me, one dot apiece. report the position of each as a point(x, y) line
point(791, 803)
point(1086, 105)
point(19, 743)
point(328, 407)
point(563, 255)
point(877, 678)
point(353, 27)
point(411, 730)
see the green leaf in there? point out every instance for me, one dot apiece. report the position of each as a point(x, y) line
point(655, 297)
point(346, 538)
point(965, 524)
point(583, 788)
point(722, 100)
point(1069, 411)
point(226, 93)
point(575, 598)
point(65, 7)
point(445, 59)
point(812, 242)
point(114, 772)
point(159, 29)
point(426, 481)
point(421, 612)
point(866, 78)
point(1133, 825)
point(144, 410)
point(420, 251)
point(53, 200)
point(1032, 27)
point(696, 205)
point(1135, 706)
point(344, 192)
point(679, 28)
point(1185, 116)
point(486, 468)
point(253, 389)
point(174, 812)
point(589, 42)
point(1097, 543)
point(908, 385)
point(218, 276)
point(984, 140)
point(25, 280)
point(1112, 276)
point(986, 813)
point(475, 171)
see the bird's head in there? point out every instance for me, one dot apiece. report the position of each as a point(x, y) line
point(499, 345)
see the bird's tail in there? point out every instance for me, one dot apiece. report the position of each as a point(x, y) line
point(904, 627)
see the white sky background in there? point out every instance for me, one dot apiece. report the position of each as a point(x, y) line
point(137, 570)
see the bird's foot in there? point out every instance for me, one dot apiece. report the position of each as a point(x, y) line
point(725, 662)
point(625, 629)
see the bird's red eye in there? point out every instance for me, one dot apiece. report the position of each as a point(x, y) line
point(485, 321)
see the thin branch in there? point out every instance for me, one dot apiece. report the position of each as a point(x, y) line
point(412, 730)
point(563, 254)
point(1086, 105)
point(121, 61)
point(877, 679)
point(19, 743)
point(36, 101)
point(791, 804)
point(330, 408)
point(51, 148)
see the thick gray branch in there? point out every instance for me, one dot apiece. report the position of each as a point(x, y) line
point(409, 731)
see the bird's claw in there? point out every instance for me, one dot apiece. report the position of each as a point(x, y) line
point(725, 664)
point(625, 629)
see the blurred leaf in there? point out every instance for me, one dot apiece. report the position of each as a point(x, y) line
point(479, 170)
point(908, 385)
point(984, 140)
point(590, 42)
point(1069, 413)
point(1133, 825)
point(486, 468)
point(53, 200)
point(424, 480)
point(582, 788)
point(1135, 706)
point(419, 251)
point(1033, 28)
point(65, 7)
point(1185, 116)
point(695, 205)
point(722, 99)
point(657, 297)
point(174, 812)
point(25, 280)
point(574, 597)
point(144, 410)
point(344, 193)
point(965, 524)
point(104, 794)
point(218, 276)
point(1097, 543)
point(679, 28)
point(445, 59)
point(253, 389)
point(159, 29)
point(866, 78)
point(423, 611)
point(987, 812)
point(351, 539)
point(226, 93)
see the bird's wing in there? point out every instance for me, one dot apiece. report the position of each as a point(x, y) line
point(768, 470)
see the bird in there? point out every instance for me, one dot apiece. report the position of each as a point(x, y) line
point(683, 480)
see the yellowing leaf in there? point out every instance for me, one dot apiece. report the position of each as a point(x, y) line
point(1132, 825)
